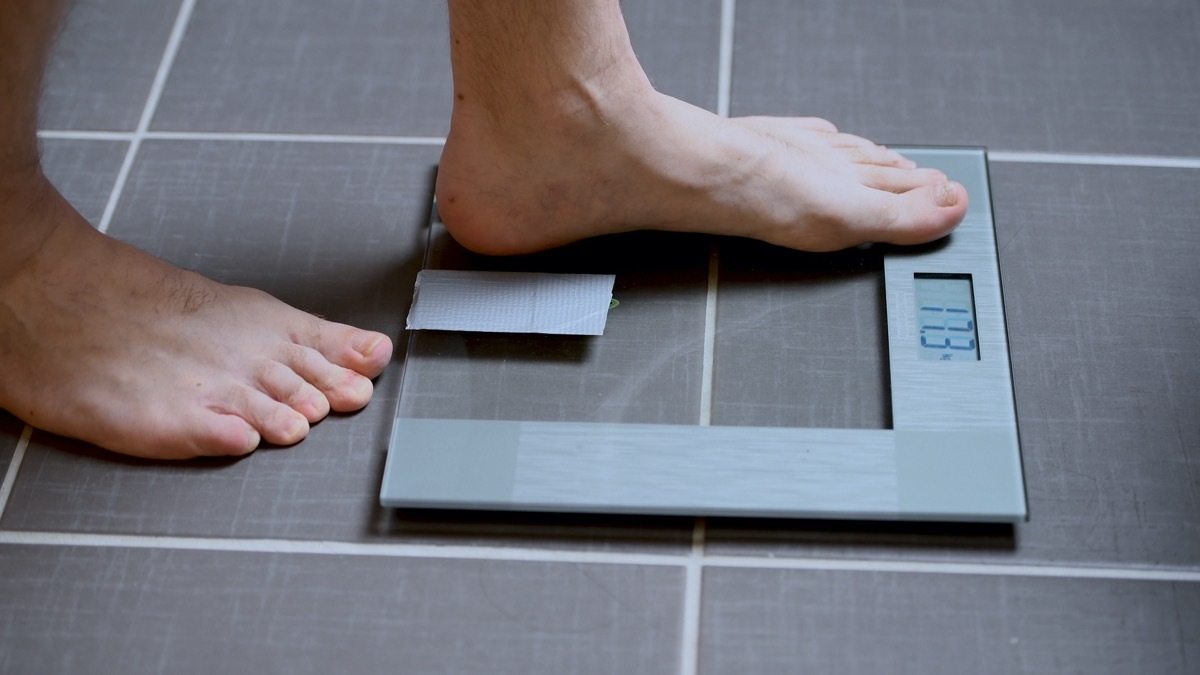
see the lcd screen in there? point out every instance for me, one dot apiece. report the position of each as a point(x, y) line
point(946, 317)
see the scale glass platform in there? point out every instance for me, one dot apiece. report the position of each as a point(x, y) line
point(952, 453)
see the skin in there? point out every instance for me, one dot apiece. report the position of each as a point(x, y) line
point(105, 343)
point(556, 135)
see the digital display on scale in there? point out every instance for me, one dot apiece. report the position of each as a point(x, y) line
point(946, 317)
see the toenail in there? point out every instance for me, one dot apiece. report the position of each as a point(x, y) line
point(297, 428)
point(252, 441)
point(363, 388)
point(367, 347)
point(945, 194)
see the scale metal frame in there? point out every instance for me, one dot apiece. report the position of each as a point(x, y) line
point(952, 454)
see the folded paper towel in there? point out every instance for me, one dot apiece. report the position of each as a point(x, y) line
point(511, 302)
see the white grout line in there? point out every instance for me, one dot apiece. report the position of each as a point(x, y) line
point(118, 186)
point(14, 465)
point(710, 338)
point(689, 657)
point(352, 549)
point(156, 89)
point(725, 58)
point(77, 135)
point(501, 553)
point(724, 85)
point(723, 94)
point(164, 66)
point(931, 567)
point(1157, 161)
point(294, 138)
point(239, 136)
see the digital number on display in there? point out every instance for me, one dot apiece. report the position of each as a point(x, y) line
point(946, 317)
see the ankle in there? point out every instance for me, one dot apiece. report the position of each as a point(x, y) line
point(565, 102)
point(561, 64)
point(30, 213)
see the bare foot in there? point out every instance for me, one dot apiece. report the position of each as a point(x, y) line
point(105, 343)
point(558, 135)
point(658, 163)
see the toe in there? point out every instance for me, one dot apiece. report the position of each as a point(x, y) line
point(224, 435)
point(917, 216)
point(816, 124)
point(201, 433)
point(343, 388)
point(365, 352)
point(375, 350)
point(893, 179)
point(286, 386)
point(805, 126)
point(862, 151)
point(275, 422)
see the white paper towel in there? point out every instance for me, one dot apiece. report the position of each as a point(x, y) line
point(511, 302)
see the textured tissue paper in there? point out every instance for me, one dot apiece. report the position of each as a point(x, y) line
point(511, 302)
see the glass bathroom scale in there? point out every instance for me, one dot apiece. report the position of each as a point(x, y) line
point(609, 424)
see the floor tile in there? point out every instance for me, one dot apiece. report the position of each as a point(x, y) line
point(146, 611)
point(801, 339)
point(1073, 76)
point(373, 67)
point(678, 45)
point(84, 171)
point(773, 621)
point(1104, 318)
point(1102, 296)
point(104, 63)
point(365, 67)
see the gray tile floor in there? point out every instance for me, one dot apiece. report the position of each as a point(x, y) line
point(283, 561)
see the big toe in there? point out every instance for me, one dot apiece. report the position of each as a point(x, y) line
point(363, 351)
point(918, 216)
point(370, 352)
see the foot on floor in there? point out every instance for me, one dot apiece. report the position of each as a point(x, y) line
point(102, 342)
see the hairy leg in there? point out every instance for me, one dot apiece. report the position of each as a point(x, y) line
point(105, 343)
point(557, 135)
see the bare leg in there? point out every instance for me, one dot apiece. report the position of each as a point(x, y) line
point(102, 342)
point(558, 135)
